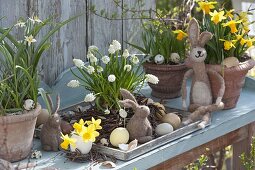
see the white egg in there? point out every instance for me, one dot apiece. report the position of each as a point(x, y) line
point(175, 57)
point(118, 136)
point(84, 147)
point(164, 128)
point(159, 59)
point(29, 104)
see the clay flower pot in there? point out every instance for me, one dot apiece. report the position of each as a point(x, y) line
point(234, 80)
point(170, 79)
point(16, 133)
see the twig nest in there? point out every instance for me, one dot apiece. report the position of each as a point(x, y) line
point(159, 59)
point(42, 117)
point(230, 62)
point(29, 104)
point(118, 136)
point(66, 127)
point(175, 57)
point(164, 128)
point(84, 147)
point(172, 119)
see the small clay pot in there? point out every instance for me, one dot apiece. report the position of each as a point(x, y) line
point(234, 80)
point(16, 133)
point(170, 79)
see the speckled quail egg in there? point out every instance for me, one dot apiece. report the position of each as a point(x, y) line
point(175, 57)
point(159, 59)
point(29, 104)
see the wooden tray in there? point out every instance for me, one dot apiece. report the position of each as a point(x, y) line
point(155, 143)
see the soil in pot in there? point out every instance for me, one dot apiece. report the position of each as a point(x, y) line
point(16, 133)
point(170, 79)
point(234, 80)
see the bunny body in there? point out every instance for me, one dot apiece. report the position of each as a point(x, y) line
point(50, 133)
point(138, 126)
point(200, 93)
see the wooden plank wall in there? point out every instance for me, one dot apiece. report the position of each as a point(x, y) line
point(73, 39)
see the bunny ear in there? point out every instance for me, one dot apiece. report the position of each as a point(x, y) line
point(204, 37)
point(127, 95)
point(193, 32)
point(127, 103)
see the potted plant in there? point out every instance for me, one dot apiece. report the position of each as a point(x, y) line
point(165, 48)
point(19, 85)
point(226, 50)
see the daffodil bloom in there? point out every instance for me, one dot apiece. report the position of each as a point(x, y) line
point(228, 44)
point(94, 122)
point(79, 127)
point(67, 141)
point(243, 41)
point(30, 39)
point(180, 34)
point(250, 41)
point(206, 6)
point(217, 16)
point(232, 25)
point(230, 13)
point(243, 16)
point(89, 133)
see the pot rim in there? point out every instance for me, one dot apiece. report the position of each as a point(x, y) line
point(30, 115)
point(164, 67)
point(247, 65)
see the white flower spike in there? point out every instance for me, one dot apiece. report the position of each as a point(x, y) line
point(111, 49)
point(92, 48)
point(93, 59)
point(125, 53)
point(78, 63)
point(73, 83)
point(111, 78)
point(90, 69)
point(134, 59)
point(151, 79)
point(30, 39)
point(116, 45)
point(89, 97)
point(127, 68)
point(105, 59)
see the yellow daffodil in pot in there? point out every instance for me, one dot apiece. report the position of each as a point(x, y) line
point(19, 82)
point(226, 51)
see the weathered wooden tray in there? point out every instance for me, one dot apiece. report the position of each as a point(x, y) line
point(155, 143)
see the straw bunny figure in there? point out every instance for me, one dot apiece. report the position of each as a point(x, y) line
point(50, 133)
point(201, 100)
point(138, 126)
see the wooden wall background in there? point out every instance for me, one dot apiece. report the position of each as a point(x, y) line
point(73, 40)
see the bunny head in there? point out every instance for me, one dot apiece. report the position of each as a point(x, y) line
point(198, 41)
point(130, 102)
point(54, 120)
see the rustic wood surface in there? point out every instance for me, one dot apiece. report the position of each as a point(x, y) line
point(73, 39)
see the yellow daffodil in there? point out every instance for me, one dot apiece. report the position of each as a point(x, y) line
point(89, 133)
point(243, 41)
point(180, 34)
point(206, 6)
point(243, 16)
point(230, 13)
point(30, 39)
point(79, 126)
point(67, 141)
point(232, 25)
point(94, 122)
point(249, 42)
point(217, 16)
point(228, 44)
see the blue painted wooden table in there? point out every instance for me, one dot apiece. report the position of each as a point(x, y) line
point(228, 127)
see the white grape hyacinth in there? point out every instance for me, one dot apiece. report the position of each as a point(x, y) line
point(111, 49)
point(111, 78)
point(78, 63)
point(100, 69)
point(134, 59)
point(89, 97)
point(73, 83)
point(90, 69)
point(92, 48)
point(127, 67)
point(122, 113)
point(125, 53)
point(116, 45)
point(90, 55)
point(151, 79)
point(105, 59)
point(93, 59)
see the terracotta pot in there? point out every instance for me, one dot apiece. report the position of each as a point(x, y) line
point(170, 79)
point(234, 80)
point(16, 133)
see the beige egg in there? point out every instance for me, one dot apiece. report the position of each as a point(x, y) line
point(164, 128)
point(172, 119)
point(230, 62)
point(42, 117)
point(118, 136)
